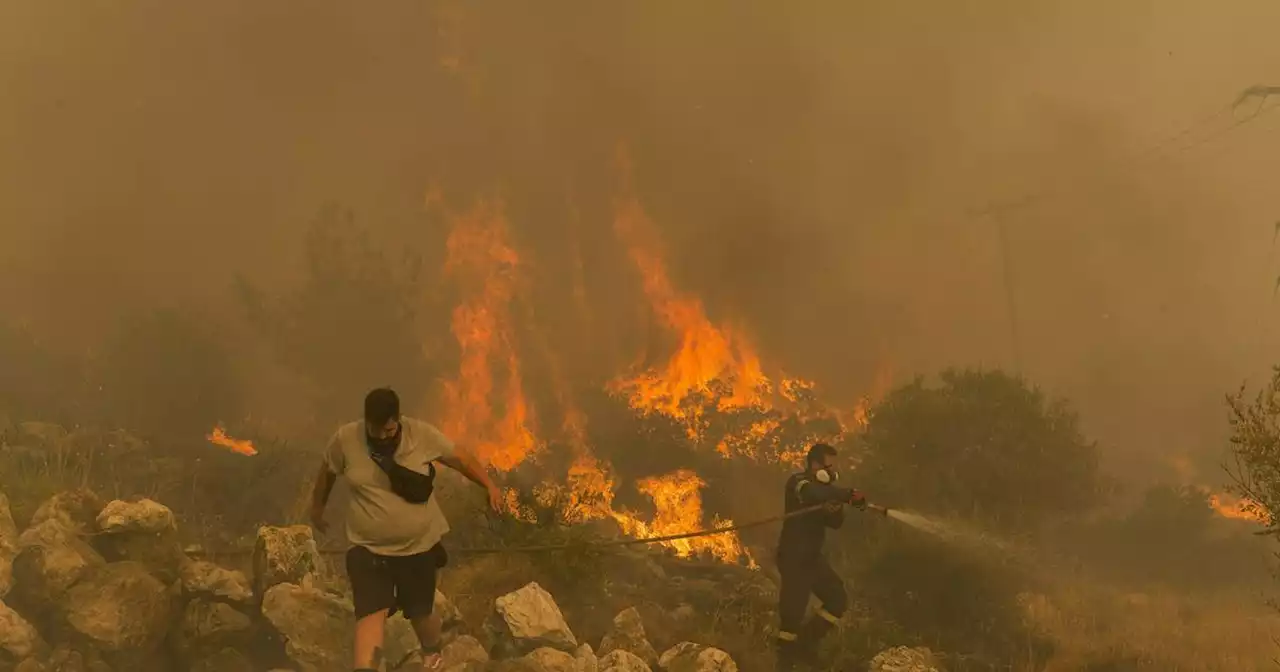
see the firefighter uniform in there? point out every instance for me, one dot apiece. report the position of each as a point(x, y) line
point(804, 570)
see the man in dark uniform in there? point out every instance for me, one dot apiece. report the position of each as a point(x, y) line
point(802, 567)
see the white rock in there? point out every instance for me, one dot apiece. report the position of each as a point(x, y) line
point(17, 636)
point(905, 659)
point(77, 510)
point(692, 657)
point(623, 661)
point(315, 626)
point(528, 619)
point(206, 628)
point(399, 642)
point(49, 532)
point(120, 608)
point(552, 660)
point(463, 651)
point(204, 578)
point(628, 634)
point(284, 555)
point(443, 607)
point(141, 516)
point(585, 659)
point(45, 569)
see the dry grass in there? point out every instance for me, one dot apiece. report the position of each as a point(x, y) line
point(1102, 627)
point(1090, 625)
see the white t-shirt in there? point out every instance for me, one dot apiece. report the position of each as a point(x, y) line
point(377, 518)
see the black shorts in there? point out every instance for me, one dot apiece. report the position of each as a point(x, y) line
point(395, 583)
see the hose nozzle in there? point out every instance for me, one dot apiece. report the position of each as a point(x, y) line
point(882, 510)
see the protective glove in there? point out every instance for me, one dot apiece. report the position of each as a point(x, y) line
point(858, 499)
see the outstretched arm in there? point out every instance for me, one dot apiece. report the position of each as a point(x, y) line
point(465, 463)
point(462, 461)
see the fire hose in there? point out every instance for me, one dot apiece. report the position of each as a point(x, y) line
point(884, 511)
point(613, 543)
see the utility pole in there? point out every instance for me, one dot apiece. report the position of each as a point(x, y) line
point(998, 213)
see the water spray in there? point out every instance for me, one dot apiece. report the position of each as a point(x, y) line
point(913, 520)
point(951, 532)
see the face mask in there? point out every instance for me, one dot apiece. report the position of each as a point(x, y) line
point(826, 476)
point(381, 445)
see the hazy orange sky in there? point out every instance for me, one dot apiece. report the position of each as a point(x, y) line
point(811, 164)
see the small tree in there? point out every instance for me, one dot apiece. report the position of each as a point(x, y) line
point(1254, 465)
point(351, 325)
point(979, 444)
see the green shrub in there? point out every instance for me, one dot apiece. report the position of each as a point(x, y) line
point(983, 445)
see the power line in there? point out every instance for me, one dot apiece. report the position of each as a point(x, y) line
point(1033, 197)
point(1000, 211)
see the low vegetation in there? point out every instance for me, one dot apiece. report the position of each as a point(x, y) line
point(983, 608)
point(1078, 583)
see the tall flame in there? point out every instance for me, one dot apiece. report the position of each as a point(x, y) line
point(714, 376)
point(482, 262)
point(706, 354)
point(487, 409)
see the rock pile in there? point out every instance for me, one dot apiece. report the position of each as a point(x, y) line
point(101, 587)
point(105, 587)
point(905, 659)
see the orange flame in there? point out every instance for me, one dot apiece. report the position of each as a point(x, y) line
point(218, 437)
point(879, 388)
point(714, 377)
point(482, 262)
point(1223, 504)
point(745, 444)
point(705, 356)
point(1237, 508)
point(678, 503)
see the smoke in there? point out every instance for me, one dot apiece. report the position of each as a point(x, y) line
point(812, 172)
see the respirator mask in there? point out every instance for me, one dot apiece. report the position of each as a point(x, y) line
point(826, 476)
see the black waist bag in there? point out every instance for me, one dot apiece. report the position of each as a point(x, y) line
point(412, 486)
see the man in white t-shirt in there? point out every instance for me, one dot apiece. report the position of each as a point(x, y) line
point(394, 522)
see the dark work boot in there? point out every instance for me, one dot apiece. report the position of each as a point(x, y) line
point(788, 655)
point(809, 643)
